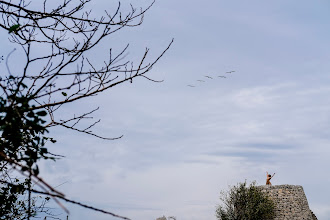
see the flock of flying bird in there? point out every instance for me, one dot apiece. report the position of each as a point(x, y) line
point(211, 77)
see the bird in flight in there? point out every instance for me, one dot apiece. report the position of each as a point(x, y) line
point(211, 76)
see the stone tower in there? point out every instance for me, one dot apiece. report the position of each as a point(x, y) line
point(290, 202)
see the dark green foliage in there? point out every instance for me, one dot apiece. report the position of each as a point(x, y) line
point(12, 204)
point(244, 202)
point(22, 132)
point(22, 140)
point(14, 28)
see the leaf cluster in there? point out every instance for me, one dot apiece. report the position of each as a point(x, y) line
point(22, 132)
point(10, 204)
point(22, 144)
point(13, 202)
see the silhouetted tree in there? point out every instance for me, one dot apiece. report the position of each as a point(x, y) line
point(60, 72)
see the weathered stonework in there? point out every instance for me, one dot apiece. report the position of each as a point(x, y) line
point(290, 202)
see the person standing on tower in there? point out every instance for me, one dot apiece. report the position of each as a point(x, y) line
point(268, 178)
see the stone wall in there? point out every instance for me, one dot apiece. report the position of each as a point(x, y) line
point(290, 202)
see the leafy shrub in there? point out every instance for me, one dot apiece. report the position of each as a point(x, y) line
point(244, 202)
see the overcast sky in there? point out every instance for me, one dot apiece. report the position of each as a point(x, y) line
point(182, 145)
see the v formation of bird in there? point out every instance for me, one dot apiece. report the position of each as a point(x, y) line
point(211, 77)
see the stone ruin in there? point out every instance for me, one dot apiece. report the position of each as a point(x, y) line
point(290, 202)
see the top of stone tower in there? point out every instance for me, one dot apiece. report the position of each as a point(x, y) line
point(290, 202)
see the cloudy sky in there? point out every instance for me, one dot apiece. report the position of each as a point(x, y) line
point(182, 145)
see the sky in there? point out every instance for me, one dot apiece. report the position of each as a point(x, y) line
point(182, 145)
